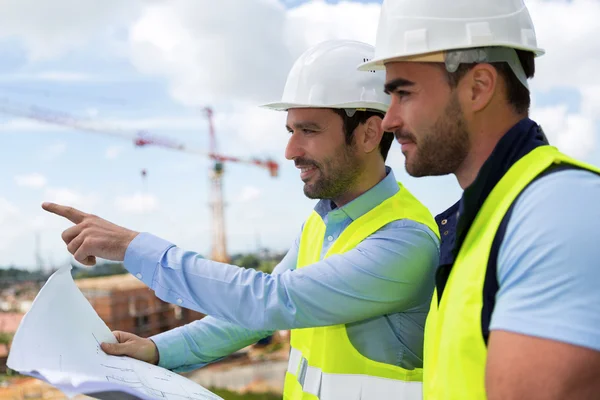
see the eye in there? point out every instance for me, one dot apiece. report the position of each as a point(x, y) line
point(307, 131)
point(402, 93)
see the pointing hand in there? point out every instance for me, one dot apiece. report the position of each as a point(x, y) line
point(92, 236)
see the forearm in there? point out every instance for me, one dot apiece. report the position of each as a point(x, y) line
point(389, 273)
point(227, 292)
point(202, 342)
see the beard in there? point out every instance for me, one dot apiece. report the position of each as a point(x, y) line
point(442, 148)
point(334, 176)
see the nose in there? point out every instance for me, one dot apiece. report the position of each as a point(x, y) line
point(294, 148)
point(392, 121)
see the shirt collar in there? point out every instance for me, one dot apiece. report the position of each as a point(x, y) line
point(364, 203)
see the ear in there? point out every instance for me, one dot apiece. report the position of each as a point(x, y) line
point(370, 135)
point(481, 86)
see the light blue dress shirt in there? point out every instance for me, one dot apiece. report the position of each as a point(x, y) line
point(381, 290)
point(549, 261)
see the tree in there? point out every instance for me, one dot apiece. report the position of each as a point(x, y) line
point(249, 261)
point(5, 338)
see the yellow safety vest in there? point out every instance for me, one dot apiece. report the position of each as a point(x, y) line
point(455, 351)
point(323, 362)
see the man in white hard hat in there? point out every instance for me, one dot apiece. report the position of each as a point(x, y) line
point(354, 288)
point(516, 312)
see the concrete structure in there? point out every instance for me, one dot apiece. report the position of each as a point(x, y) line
point(125, 303)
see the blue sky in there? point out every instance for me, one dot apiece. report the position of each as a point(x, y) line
point(153, 65)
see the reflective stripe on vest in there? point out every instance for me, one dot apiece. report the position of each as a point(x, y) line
point(323, 362)
point(316, 384)
point(455, 352)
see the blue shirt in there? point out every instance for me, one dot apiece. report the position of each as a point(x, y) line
point(381, 290)
point(549, 261)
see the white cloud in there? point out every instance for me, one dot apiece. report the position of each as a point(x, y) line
point(34, 180)
point(572, 60)
point(191, 43)
point(50, 76)
point(137, 203)
point(70, 197)
point(113, 152)
point(203, 60)
point(209, 53)
point(128, 127)
point(248, 194)
point(316, 21)
point(590, 100)
point(568, 31)
point(152, 123)
point(24, 125)
point(252, 130)
point(50, 29)
point(574, 134)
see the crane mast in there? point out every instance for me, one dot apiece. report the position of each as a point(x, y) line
point(219, 239)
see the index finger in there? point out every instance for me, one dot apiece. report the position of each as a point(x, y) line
point(70, 213)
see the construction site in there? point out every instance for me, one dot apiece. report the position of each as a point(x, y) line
point(125, 303)
point(299, 199)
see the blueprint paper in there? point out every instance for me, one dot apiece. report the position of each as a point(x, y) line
point(58, 341)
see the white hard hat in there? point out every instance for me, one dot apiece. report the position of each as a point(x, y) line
point(326, 76)
point(425, 30)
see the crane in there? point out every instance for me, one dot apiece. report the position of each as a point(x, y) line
point(219, 240)
point(143, 138)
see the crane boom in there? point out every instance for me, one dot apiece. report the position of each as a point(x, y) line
point(139, 138)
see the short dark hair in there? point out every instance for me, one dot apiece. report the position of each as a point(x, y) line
point(517, 94)
point(360, 117)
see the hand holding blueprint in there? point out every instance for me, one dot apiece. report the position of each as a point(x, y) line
point(59, 339)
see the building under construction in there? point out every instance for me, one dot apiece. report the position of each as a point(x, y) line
point(124, 303)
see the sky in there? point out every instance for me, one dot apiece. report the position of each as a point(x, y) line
point(153, 65)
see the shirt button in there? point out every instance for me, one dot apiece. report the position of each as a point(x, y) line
point(445, 233)
point(330, 238)
point(179, 301)
point(444, 221)
point(138, 275)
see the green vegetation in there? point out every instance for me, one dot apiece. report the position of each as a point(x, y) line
point(246, 261)
point(13, 274)
point(105, 269)
point(227, 395)
point(5, 338)
point(253, 261)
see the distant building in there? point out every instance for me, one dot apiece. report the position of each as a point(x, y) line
point(124, 303)
point(9, 322)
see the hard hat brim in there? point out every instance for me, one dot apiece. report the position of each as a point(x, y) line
point(357, 105)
